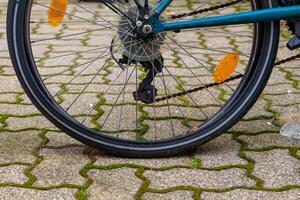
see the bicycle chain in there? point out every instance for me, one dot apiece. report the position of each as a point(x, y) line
point(206, 9)
point(292, 58)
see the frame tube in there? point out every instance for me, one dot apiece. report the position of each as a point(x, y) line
point(270, 14)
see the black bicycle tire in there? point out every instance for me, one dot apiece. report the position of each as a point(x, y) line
point(27, 75)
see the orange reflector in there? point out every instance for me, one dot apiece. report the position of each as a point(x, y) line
point(226, 67)
point(56, 12)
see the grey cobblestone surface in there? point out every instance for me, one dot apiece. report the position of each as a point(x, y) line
point(250, 161)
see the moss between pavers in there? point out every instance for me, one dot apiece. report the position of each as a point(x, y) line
point(289, 77)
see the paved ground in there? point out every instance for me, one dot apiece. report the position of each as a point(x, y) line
point(250, 161)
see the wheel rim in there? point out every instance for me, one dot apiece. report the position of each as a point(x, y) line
point(131, 70)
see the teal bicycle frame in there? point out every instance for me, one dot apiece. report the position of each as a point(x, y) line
point(270, 14)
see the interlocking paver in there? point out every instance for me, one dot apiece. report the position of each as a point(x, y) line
point(60, 139)
point(60, 166)
point(33, 122)
point(113, 184)
point(187, 195)
point(8, 193)
point(105, 160)
point(268, 139)
point(18, 146)
point(198, 178)
point(253, 195)
point(219, 152)
point(276, 168)
point(13, 174)
point(255, 126)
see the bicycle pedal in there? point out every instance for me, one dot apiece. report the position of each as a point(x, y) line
point(294, 43)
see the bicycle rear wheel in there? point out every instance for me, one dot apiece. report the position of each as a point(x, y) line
point(87, 76)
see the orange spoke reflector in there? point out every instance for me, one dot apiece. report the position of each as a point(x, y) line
point(57, 11)
point(226, 67)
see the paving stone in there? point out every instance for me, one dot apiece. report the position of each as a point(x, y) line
point(268, 139)
point(220, 151)
point(60, 139)
point(113, 184)
point(258, 110)
point(11, 83)
point(283, 88)
point(7, 193)
point(198, 178)
point(288, 113)
point(187, 195)
point(276, 167)
point(8, 97)
point(14, 109)
point(253, 195)
point(13, 174)
point(39, 122)
point(278, 76)
point(285, 99)
point(60, 166)
point(104, 160)
point(254, 126)
point(18, 146)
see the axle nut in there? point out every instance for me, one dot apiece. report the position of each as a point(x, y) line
point(139, 23)
point(147, 29)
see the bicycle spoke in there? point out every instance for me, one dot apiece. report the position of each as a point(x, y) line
point(80, 72)
point(66, 36)
point(94, 14)
point(180, 85)
point(76, 66)
point(192, 56)
point(73, 53)
point(92, 22)
point(167, 92)
point(123, 99)
point(106, 92)
point(199, 80)
point(205, 49)
point(103, 124)
point(93, 78)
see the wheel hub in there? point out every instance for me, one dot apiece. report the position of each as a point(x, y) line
point(140, 44)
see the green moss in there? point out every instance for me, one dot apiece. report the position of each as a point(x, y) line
point(196, 163)
point(289, 76)
point(28, 172)
point(144, 186)
point(82, 193)
point(99, 112)
point(189, 4)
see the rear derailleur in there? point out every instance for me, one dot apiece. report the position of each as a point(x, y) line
point(146, 92)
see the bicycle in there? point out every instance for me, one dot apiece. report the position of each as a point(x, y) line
point(139, 78)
